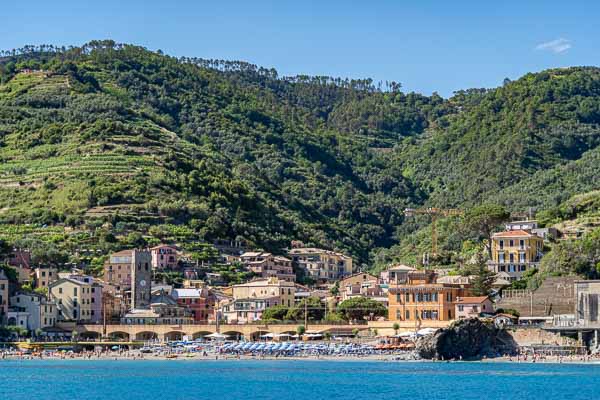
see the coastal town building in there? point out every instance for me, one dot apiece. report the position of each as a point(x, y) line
point(395, 274)
point(162, 309)
point(199, 301)
point(267, 265)
point(117, 270)
point(473, 307)
point(44, 276)
point(422, 298)
point(97, 288)
point(164, 257)
point(321, 265)
point(4, 293)
point(250, 299)
point(38, 311)
point(362, 284)
point(247, 310)
point(19, 258)
point(75, 300)
point(515, 252)
point(587, 309)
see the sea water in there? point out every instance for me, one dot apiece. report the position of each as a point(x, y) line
point(292, 379)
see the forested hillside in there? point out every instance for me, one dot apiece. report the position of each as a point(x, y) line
point(108, 145)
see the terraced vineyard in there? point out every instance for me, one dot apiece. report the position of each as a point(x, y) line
point(25, 171)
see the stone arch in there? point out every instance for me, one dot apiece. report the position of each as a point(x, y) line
point(234, 335)
point(256, 335)
point(88, 335)
point(146, 335)
point(201, 334)
point(174, 335)
point(118, 335)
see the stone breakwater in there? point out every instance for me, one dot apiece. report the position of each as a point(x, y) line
point(466, 339)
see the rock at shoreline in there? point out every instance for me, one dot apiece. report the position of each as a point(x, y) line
point(466, 339)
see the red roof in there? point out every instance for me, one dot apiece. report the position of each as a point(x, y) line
point(517, 233)
point(474, 300)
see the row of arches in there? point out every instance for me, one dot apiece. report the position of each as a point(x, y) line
point(170, 336)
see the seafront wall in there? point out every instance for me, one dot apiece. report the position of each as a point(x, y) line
point(531, 336)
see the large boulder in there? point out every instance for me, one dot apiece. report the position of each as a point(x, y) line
point(466, 339)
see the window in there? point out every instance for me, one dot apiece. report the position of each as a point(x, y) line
point(522, 257)
point(501, 257)
point(407, 297)
point(398, 314)
point(501, 244)
point(461, 308)
point(511, 257)
point(407, 314)
point(59, 290)
point(74, 291)
point(511, 243)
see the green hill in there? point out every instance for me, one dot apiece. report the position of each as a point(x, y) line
point(106, 142)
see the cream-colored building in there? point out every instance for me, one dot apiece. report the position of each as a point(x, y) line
point(322, 265)
point(44, 276)
point(266, 288)
point(75, 299)
point(41, 313)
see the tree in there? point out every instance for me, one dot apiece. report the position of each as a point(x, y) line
point(484, 278)
point(314, 307)
point(278, 313)
point(483, 220)
point(300, 330)
point(357, 308)
point(395, 327)
point(335, 289)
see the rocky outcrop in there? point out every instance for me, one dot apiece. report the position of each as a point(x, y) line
point(466, 339)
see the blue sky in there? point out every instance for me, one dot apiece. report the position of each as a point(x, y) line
point(426, 45)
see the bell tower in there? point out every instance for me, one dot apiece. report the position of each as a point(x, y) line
point(141, 276)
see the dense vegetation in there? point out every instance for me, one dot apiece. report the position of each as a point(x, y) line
point(107, 145)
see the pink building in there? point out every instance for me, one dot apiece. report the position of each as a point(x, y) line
point(472, 307)
point(164, 257)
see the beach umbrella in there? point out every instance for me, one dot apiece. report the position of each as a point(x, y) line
point(217, 336)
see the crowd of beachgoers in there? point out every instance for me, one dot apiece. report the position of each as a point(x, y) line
point(200, 350)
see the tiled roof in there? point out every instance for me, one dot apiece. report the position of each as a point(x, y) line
point(517, 233)
point(477, 300)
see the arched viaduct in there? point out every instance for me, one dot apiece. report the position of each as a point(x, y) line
point(176, 332)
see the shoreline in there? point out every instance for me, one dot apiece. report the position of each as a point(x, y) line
point(221, 358)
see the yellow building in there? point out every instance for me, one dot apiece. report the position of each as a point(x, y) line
point(514, 252)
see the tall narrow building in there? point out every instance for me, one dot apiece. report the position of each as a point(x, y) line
point(141, 276)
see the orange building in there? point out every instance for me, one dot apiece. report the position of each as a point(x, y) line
point(421, 298)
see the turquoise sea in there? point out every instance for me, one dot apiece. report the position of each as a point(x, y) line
point(282, 380)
